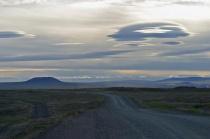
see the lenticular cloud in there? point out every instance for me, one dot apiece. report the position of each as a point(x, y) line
point(146, 30)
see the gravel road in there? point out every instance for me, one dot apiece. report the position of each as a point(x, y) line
point(121, 118)
point(40, 109)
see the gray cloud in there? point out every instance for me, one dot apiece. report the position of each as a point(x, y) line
point(74, 43)
point(190, 3)
point(145, 30)
point(92, 55)
point(126, 65)
point(173, 43)
point(132, 44)
point(41, 2)
point(118, 3)
point(126, 44)
point(15, 34)
point(139, 44)
point(20, 2)
point(184, 52)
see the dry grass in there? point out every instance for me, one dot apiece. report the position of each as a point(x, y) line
point(15, 112)
point(191, 100)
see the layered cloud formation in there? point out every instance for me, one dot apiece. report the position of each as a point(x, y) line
point(42, 2)
point(40, 57)
point(15, 34)
point(185, 52)
point(72, 35)
point(145, 30)
point(19, 2)
point(173, 43)
point(190, 3)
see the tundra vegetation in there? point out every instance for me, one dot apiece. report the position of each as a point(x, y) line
point(22, 116)
point(186, 99)
point(28, 113)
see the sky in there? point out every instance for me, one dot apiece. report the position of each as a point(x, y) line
point(104, 40)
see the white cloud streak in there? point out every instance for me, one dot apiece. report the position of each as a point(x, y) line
point(114, 2)
point(74, 43)
point(93, 55)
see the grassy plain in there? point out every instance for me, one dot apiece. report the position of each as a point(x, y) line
point(16, 111)
point(192, 100)
point(17, 118)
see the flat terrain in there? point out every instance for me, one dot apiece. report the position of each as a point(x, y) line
point(186, 99)
point(125, 113)
point(27, 113)
point(121, 118)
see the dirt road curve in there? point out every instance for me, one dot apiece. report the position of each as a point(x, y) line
point(121, 118)
point(40, 109)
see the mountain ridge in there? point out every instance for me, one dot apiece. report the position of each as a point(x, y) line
point(43, 79)
point(187, 79)
point(53, 83)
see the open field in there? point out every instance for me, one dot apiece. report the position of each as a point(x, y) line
point(27, 113)
point(122, 118)
point(192, 100)
point(185, 99)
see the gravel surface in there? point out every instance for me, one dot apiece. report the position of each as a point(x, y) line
point(40, 109)
point(121, 118)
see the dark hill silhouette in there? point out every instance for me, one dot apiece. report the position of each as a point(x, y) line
point(49, 80)
point(38, 83)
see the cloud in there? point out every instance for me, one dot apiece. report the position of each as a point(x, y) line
point(92, 55)
point(139, 44)
point(15, 34)
point(173, 43)
point(145, 30)
point(42, 2)
point(112, 2)
point(75, 43)
point(132, 44)
point(21, 2)
point(190, 3)
point(184, 52)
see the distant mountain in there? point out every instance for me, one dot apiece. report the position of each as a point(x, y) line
point(49, 80)
point(189, 79)
point(38, 83)
point(199, 82)
point(52, 83)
